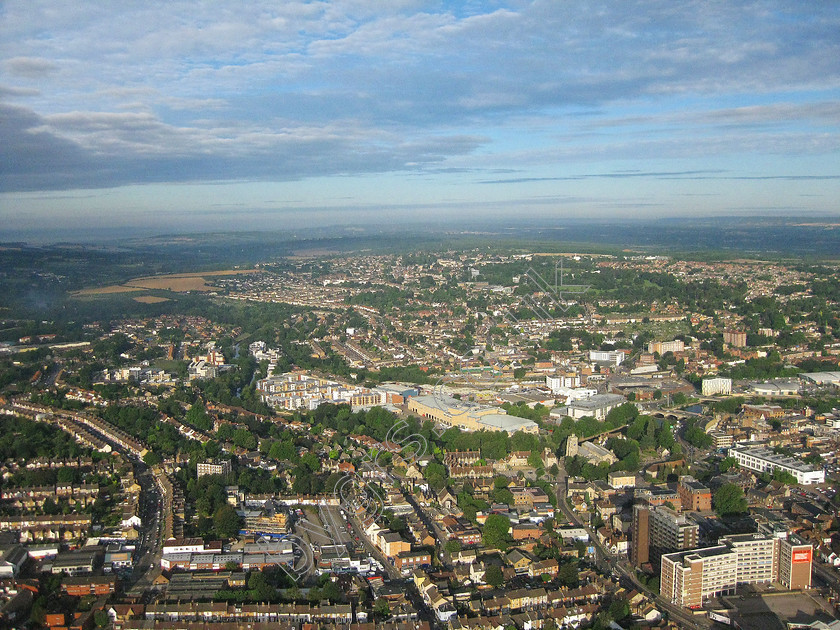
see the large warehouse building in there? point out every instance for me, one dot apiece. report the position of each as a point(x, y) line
point(470, 416)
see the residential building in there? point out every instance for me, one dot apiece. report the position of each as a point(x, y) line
point(658, 530)
point(735, 338)
point(694, 495)
point(562, 382)
point(690, 577)
point(662, 347)
point(213, 468)
point(716, 385)
point(621, 480)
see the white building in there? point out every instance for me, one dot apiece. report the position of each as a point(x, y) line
point(662, 347)
point(717, 385)
point(597, 406)
point(609, 356)
point(762, 459)
point(562, 382)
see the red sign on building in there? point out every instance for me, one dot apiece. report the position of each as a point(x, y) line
point(802, 555)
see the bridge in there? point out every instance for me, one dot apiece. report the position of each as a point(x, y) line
point(676, 414)
point(602, 434)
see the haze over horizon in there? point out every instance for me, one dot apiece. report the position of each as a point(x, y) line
point(160, 116)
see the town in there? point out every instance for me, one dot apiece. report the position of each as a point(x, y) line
point(469, 439)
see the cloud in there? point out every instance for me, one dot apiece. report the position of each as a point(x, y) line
point(30, 67)
point(12, 92)
point(104, 149)
point(178, 91)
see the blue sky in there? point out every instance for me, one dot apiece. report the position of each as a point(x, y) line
point(208, 115)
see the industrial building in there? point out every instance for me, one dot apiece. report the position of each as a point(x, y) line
point(467, 415)
point(762, 459)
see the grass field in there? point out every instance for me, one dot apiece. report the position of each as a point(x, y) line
point(178, 282)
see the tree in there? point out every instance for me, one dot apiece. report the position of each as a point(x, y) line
point(381, 608)
point(726, 463)
point(568, 573)
point(493, 576)
point(226, 521)
point(152, 459)
point(452, 546)
point(495, 532)
point(619, 609)
point(535, 460)
point(101, 619)
point(197, 416)
point(729, 499)
point(261, 589)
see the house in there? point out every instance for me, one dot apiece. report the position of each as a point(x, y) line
point(447, 499)
point(524, 531)
point(12, 559)
point(80, 586)
point(519, 561)
point(545, 567)
point(527, 598)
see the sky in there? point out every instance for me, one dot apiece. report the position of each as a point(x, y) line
point(178, 116)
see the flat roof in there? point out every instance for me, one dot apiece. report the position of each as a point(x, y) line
point(766, 454)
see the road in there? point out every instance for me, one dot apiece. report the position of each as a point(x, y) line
point(150, 543)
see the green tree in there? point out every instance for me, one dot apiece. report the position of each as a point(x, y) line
point(197, 416)
point(493, 576)
point(727, 463)
point(260, 588)
point(101, 619)
point(381, 608)
point(494, 534)
point(729, 499)
point(567, 574)
point(452, 546)
point(226, 521)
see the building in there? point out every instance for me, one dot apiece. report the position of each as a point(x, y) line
point(690, 577)
point(735, 338)
point(467, 415)
point(572, 446)
point(762, 459)
point(595, 453)
point(687, 578)
point(91, 585)
point(796, 557)
point(656, 495)
point(620, 479)
point(615, 357)
point(721, 439)
point(716, 385)
point(658, 530)
point(694, 495)
point(562, 382)
point(213, 468)
point(662, 347)
point(406, 560)
point(597, 406)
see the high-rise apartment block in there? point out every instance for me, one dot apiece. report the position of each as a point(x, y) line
point(688, 578)
point(658, 530)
